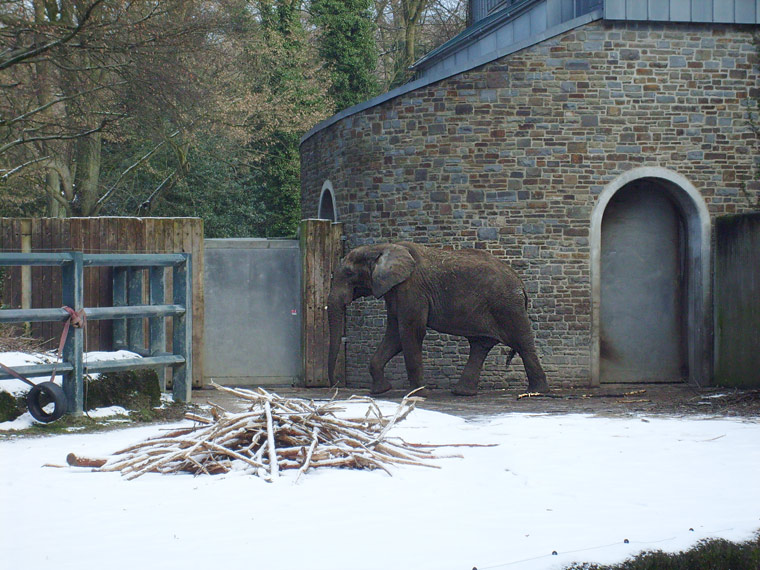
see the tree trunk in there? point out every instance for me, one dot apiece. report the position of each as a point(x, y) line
point(88, 174)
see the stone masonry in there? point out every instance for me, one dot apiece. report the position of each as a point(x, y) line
point(510, 157)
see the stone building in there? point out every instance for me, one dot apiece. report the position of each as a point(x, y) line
point(589, 143)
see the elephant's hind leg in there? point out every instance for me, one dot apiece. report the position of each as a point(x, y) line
point(536, 376)
point(468, 383)
point(520, 338)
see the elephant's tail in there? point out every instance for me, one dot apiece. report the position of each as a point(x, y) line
point(510, 356)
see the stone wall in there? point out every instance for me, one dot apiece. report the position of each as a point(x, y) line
point(511, 157)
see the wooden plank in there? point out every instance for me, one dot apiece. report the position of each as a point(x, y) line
point(91, 235)
point(316, 253)
point(109, 243)
point(196, 249)
point(119, 327)
point(10, 230)
point(135, 338)
point(54, 231)
point(305, 309)
point(336, 243)
point(38, 277)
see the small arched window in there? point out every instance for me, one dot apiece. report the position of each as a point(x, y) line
point(327, 209)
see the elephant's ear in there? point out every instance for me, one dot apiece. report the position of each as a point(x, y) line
point(394, 266)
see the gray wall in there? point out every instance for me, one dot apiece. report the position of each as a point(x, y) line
point(737, 301)
point(253, 311)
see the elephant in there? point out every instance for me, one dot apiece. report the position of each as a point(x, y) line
point(466, 292)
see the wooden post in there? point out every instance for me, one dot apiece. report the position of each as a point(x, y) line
point(321, 249)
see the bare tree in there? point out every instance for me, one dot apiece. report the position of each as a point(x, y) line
point(407, 29)
point(76, 74)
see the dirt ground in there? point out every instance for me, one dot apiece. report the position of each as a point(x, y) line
point(609, 400)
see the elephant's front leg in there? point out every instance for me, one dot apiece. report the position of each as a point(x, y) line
point(468, 383)
point(412, 334)
point(388, 348)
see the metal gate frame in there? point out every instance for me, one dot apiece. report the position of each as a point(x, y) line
point(126, 312)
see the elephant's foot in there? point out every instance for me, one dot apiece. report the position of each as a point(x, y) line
point(380, 387)
point(541, 386)
point(464, 389)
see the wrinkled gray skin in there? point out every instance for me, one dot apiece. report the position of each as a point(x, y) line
point(466, 293)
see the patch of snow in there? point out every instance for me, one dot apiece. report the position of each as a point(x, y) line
point(108, 412)
point(24, 421)
point(576, 485)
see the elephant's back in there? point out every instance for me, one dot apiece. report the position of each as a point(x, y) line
point(464, 261)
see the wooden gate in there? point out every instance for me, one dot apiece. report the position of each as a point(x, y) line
point(321, 251)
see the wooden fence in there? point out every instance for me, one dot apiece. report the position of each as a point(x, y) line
point(40, 287)
point(321, 250)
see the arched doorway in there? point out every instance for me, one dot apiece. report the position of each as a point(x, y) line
point(327, 209)
point(650, 280)
point(642, 321)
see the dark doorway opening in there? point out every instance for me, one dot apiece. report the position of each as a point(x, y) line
point(327, 204)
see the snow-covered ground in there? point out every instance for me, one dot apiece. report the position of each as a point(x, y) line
point(576, 485)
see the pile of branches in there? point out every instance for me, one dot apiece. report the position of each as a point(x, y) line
point(275, 434)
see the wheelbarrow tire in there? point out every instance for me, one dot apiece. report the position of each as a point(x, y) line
point(54, 393)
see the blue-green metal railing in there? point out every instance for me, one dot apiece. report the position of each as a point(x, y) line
point(127, 314)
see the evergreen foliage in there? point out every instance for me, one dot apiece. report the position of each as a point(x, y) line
point(347, 46)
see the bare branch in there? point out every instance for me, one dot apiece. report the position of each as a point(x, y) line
point(49, 104)
point(107, 195)
point(58, 137)
point(50, 45)
point(15, 170)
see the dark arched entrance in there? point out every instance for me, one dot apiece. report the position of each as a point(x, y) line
point(327, 209)
point(642, 329)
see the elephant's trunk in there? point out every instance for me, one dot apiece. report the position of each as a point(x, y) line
point(336, 318)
